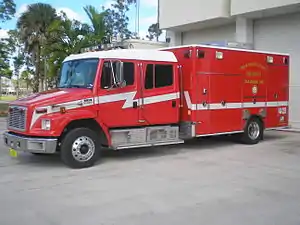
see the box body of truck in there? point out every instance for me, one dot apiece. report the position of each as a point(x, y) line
point(223, 87)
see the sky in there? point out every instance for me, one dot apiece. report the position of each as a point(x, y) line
point(74, 9)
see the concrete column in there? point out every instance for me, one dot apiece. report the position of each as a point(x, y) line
point(176, 38)
point(244, 31)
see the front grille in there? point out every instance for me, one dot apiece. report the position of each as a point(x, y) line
point(17, 118)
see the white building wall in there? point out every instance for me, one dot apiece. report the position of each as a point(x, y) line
point(282, 34)
point(176, 13)
point(216, 34)
point(271, 25)
point(175, 38)
point(247, 6)
point(244, 31)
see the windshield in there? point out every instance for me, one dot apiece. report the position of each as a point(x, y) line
point(78, 73)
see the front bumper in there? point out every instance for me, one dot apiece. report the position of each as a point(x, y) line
point(33, 145)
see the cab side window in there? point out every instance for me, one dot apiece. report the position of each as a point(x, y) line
point(128, 69)
point(106, 76)
point(109, 78)
point(158, 76)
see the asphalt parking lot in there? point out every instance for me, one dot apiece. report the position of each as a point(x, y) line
point(211, 181)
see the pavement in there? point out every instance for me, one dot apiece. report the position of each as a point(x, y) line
point(207, 181)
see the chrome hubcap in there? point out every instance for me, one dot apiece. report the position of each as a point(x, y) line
point(83, 149)
point(253, 130)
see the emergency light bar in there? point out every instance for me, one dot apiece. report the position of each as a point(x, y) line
point(101, 47)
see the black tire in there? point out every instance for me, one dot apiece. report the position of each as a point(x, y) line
point(75, 158)
point(253, 132)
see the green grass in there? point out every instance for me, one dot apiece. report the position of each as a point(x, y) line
point(8, 97)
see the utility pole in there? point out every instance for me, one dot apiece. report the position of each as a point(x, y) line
point(137, 18)
point(157, 27)
point(45, 73)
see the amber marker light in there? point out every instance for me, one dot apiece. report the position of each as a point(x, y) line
point(62, 110)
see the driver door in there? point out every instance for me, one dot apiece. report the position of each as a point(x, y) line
point(116, 104)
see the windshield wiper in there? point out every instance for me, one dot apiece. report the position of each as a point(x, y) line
point(76, 86)
point(72, 86)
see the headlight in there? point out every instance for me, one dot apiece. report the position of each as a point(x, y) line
point(46, 124)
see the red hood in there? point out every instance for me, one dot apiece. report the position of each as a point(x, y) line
point(54, 96)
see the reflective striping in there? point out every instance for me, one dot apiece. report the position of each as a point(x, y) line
point(128, 97)
point(215, 106)
point(231, 105)
point(161, 98)
point(277, 104)
point(253, 105)
point(189, 102)
point(56, 108)
point(234, 105)
point(272, 104)
point(284, 103)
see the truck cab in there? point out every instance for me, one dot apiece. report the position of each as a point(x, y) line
point(117, 99)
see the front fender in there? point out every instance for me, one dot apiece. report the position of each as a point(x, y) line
point(59, 121)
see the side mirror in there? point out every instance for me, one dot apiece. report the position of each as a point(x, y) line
point(120, 73)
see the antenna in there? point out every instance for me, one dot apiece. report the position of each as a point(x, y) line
point(157, 27)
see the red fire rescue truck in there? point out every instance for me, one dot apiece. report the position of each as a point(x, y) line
point(126, 98)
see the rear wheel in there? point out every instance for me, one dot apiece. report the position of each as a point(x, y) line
point(80, 148)
point(253, 131)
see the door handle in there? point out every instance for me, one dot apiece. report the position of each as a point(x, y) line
point(134, 104)
point(173, 103)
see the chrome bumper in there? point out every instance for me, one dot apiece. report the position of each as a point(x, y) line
point(34, 145)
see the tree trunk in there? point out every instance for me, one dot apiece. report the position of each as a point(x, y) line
point(36, 82)
point(18, 87)
point(45, 75)
point(42, 87)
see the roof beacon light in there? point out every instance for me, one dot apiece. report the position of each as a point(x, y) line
point(270, 59)
point(219, 55)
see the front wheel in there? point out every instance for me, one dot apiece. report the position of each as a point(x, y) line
point(80, 148)
point(253, 131)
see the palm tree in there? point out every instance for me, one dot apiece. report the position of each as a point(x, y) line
point(18, 62)
point(97, 20)
point(65, 37)
point(25, 76)
point(7, 10)
point(33, 25)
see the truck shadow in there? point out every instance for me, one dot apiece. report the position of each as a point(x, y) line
point(214, 143)
point(200, 144)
